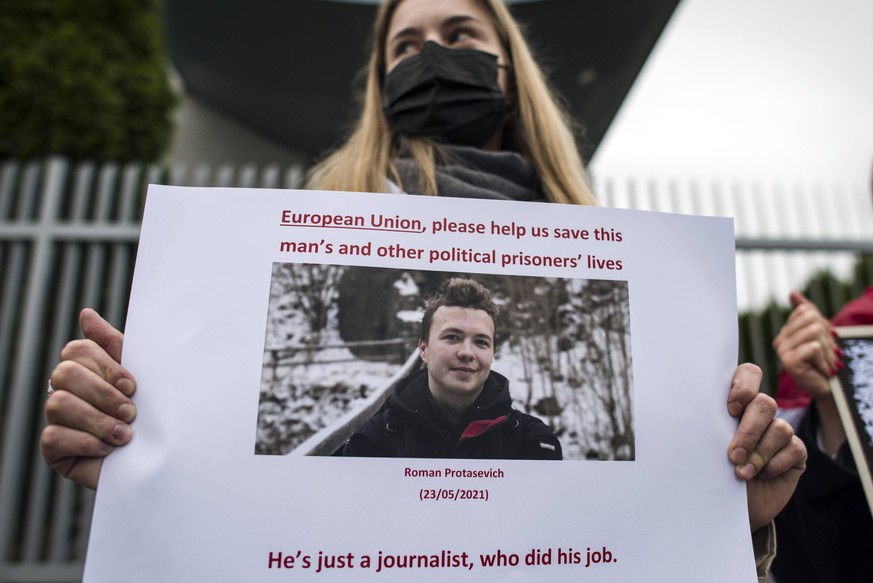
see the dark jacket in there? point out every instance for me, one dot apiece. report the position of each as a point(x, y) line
point(413, 425)
point(825, 533)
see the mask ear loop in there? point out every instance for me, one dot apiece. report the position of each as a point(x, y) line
point(510, 77)
point(512, 102)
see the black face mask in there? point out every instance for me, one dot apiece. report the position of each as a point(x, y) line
point(451, 95)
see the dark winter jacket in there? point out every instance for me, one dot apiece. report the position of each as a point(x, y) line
point(825, 532)
point(413, 425)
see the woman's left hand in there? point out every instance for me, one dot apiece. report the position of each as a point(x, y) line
point(764, 450)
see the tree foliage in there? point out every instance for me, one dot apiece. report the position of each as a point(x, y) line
point(84, 78)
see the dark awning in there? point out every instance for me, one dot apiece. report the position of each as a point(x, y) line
point(286, 68)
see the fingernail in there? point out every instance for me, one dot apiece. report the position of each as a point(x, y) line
point(840, 365)
point(739, 455)
point(834, 333)
point(748, 471)
point(126, 386)
point(735, 409)
point(838, 352)
point(127, 412)
point(106, 448)
point(121, 433)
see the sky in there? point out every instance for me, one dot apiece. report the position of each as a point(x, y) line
point(752, 89)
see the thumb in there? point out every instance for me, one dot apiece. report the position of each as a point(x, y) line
point(95, 328)
point(796, 298)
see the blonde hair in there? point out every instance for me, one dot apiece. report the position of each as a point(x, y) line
point(539, 129)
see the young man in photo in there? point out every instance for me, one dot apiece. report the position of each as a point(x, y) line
point(456, 407)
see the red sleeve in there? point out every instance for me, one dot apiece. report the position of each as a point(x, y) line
point(789, 395)
point(858, 312)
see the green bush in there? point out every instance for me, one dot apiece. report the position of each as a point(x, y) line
point(85, 79)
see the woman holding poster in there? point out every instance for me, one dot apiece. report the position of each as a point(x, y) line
point(455, 106)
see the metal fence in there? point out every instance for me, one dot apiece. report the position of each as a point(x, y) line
point(68, 236)
point(787, 237)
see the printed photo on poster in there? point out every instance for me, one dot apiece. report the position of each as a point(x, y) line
point(340, 340)
point(852, 388)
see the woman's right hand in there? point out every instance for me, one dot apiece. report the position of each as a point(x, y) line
point(90, 410)
point(809, 354)
point(807, 349)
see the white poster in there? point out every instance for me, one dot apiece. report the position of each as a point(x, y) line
point(265, 326)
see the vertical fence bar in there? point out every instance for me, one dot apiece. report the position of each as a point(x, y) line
point(294, 176)
point(224, 176)
point(122, 256)
point(270, 176)
point(248, 176)
point(9, 173)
